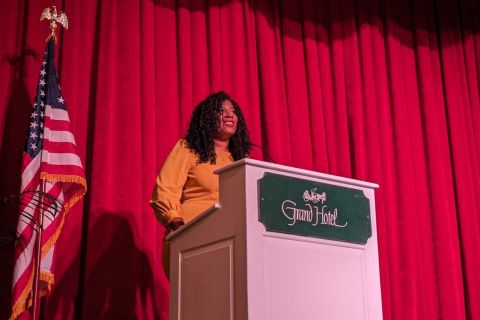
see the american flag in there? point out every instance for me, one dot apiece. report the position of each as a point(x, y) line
point(51, 169)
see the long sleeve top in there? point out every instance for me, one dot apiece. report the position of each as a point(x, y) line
point(185, 188)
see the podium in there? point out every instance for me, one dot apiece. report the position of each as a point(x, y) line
point(282, 244)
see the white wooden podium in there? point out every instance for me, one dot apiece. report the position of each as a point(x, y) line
point(226, 265)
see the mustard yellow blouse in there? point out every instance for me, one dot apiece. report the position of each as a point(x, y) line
point(184, 188)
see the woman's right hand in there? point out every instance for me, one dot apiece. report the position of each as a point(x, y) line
point(176, 223)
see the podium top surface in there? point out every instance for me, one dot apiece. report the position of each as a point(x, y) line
point(293, 170)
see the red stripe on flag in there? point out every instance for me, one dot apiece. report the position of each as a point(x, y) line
point(22, 281)
point(58, 125)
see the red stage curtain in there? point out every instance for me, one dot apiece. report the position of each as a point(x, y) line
point(383, 91)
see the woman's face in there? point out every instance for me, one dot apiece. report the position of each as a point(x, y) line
point(228, 121)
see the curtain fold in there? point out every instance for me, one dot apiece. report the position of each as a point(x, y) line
point(383, 91)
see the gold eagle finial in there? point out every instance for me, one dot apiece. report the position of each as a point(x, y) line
point(54, 16)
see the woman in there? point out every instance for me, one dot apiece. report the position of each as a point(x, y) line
point(186, 185)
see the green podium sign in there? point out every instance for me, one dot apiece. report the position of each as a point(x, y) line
point(313, 209)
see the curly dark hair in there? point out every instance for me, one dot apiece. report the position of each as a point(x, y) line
point(203, 129)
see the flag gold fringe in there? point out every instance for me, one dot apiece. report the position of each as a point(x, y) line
point(24, 301)
point(20, 304)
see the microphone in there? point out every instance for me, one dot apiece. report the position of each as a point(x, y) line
point(265, 153)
